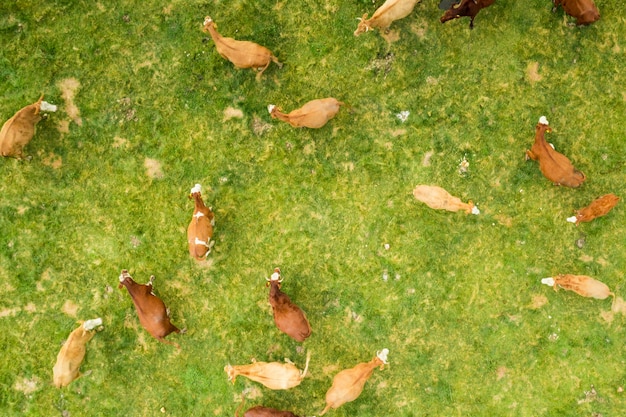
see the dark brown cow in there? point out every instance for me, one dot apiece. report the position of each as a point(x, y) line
point(260, 411)
point(153, 315)
point(585, 11)
point(553, 165)
point(465, 8)
point(289, 318)
point(200, 229)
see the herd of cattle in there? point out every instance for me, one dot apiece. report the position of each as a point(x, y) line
point(153, 315)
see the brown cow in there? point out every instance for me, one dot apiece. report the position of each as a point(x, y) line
point(553, 165)
point(260, 411)
point(585, 11)
point(200, 229)
point(69, 359)
point(348, 384)
point(465, 8)
point(597, 208)
point(18, 131)
point(153, 315)
point(274, 375)
point(580, 284)
point(439, 199)
point(390, 11)
point(314, 114)
point(289, 318)
point(243, 54)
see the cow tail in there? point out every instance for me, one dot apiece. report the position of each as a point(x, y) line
point(243, 400)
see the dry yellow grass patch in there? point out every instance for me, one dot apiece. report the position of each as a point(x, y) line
point(70, 308)
point(532, 72)
point(69, 87)
point(153, 168)
point(232, 113)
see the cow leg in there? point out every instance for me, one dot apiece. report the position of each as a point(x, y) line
point(472, 22)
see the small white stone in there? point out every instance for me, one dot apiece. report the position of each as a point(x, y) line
point(387, 246)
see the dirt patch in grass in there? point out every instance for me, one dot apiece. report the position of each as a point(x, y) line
point(69, 87)
point(70, 308)
point(382, 63)
point(532, 72)
point(153, 168)
point(232, 113)
point(27, 386)
point(390, 36)
point(52, 160)
point(259, 127)
point(538, 301)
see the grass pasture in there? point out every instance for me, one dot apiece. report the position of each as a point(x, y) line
point(147, 108)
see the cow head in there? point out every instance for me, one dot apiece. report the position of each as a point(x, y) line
point(274, 278)
point(123, 277)
point(208, 23)
point(543, 125)
point(363, 25)
point(454, 12)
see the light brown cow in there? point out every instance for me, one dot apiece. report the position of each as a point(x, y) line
point(585, 11)
point(274, 375)
point(597, 208)
point(314, 114)
point(200, 229)
point(289, 318)
point(439, 199)
point(390, 11)
point(465, 8)
point(553, 165)
point(153, 315)
point(243, 54)
point(69, 359)
point(18, 131)
point(348, 384)
point(580, 284)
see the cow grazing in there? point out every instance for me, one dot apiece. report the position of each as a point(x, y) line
point(243, 54)
point(597, 208)
point(553, 165)
point(18, 131)
point(580, 284)
point(200, 229)
point(260, 411)
point(274, 375)
point(464, 8)
point(289, 318)
point(69, 359)
point(585, 11)
point(439, 199)
point(314, 114)
point(348, 384)
point(390, 11)
point(153, 315)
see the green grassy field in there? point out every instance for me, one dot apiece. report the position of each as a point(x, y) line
point(147, 108)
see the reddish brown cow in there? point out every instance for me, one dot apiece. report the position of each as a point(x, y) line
point(553, 165)
point(597, 208)
point(585, 11)
point(260, 411)
point(465, 8)
point(153, 315)
point(289, 318)
point(200, 229)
